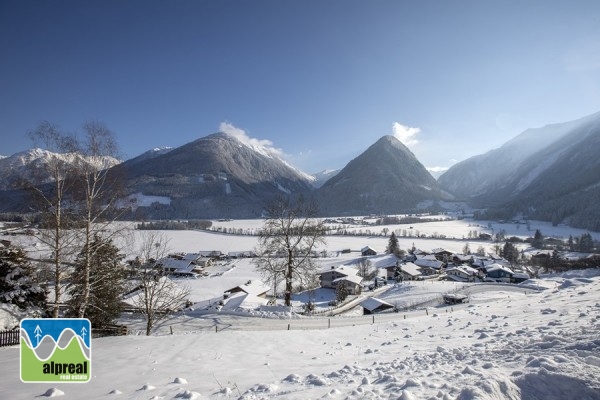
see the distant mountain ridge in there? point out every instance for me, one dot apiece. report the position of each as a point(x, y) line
point(385, 178)
point(321, 177)
point(212, 177)
point(550, 173)
point(31, 166)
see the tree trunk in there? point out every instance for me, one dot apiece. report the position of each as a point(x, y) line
point(149, 324)
point(57, 255)
point(57, 290)
point(86, 270)
point(288, 280)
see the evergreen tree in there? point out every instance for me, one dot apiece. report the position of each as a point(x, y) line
point(510, 253)
point(555, 260)
point(393, 246)
point(106, 283)
point(586, 243)
point(17, 281)
point(538, 240)
point(341, 292)
point(571, 243)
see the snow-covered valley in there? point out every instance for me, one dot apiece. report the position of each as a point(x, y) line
point(537, 340)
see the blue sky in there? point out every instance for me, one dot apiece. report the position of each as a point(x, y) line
point(318, 80)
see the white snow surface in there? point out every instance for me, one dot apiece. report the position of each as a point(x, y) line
point(515, 344)
point(536, 340)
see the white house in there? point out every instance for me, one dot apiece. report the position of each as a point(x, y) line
point(498, 273)
point(462, 273)
point(428, 265)
point(410, 272)
point(329, 275)
point(352, 283)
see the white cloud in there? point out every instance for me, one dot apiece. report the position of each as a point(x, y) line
point(264, 146)
point(405, 134)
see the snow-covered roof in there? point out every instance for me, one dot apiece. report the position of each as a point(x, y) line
point(521, 275)
point(498, 261)
point(342, 269)
point(383, 260)
point(244, 300)
point(411, 269)
point(173, 264)
point(254, 287)
point(464, 257)
point(350, 278)
point(422, 262)
point(372, 303)
point(440, 250)
point(463, 268)
point(190, 256)
point(495, 267)
point(208, 253)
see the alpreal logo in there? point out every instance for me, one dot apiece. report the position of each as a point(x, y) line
point(56, 350)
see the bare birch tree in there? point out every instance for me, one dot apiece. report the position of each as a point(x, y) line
point(76, 202)
point(51, 199)
point(98, 194)
point(158, 295)
point(289, 236)
point(365, 270)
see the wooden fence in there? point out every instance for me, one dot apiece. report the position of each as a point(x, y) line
point(9, 338)
point(110, 330)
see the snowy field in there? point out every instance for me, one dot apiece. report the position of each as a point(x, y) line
point(539, 340)
point(502, 345)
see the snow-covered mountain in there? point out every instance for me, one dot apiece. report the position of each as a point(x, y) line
point(150, 154)
point(32, 166)
point(386, 178)
point(321, 177)
point(551, 173)
point(214, 176)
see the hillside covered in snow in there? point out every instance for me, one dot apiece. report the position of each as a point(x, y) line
point(485, 349)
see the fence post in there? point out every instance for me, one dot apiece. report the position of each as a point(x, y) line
point(288, 327)
point(329, 323)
